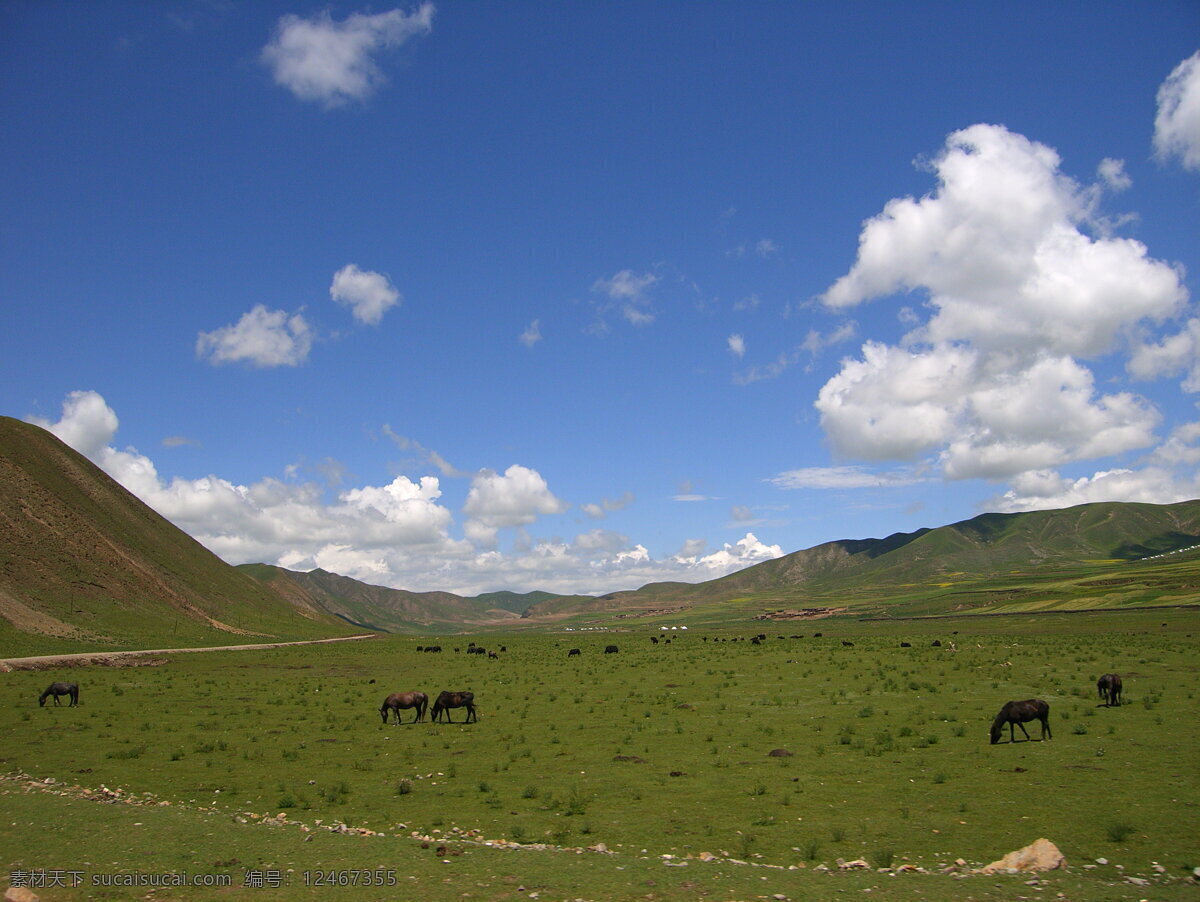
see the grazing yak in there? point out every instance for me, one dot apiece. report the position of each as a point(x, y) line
point(1021, 713)
point(573, 652)
point(610, 650)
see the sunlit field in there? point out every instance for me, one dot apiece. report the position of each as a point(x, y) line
point(719, 769)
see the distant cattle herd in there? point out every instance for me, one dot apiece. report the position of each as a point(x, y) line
point(1013, 714)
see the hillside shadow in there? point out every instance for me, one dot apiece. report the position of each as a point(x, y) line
point(1164, 543)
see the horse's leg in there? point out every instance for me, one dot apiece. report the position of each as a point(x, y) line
point(1023, 730)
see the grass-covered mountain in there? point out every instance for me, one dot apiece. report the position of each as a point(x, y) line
point(397, 610)
point(1094, 555)
point(376, 607)
point(84, 563)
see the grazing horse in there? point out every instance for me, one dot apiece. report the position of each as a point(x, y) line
point(447, 700)
point(1021, 713)
point(610, 650)
point(405, 700)
point(573, 652)
point(1108, 687)
point(57, 689)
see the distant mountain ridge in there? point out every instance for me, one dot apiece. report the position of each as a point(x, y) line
point(987, 547)
point(84, 562)
point(396, 610)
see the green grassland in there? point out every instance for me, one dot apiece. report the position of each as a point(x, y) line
point(660, 750)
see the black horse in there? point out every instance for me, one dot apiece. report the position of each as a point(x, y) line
point(57, 689)
point(404, 700)
point(1108, 687)
point(1021, 713)
point(447, 700)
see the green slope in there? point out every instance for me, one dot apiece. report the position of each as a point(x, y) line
point(1093, 555)
point(377, 607)
point(84, 564)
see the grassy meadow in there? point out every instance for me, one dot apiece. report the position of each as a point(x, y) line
point(641, 775)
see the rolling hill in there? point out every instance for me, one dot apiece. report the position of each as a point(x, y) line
point(1099, 555)
point(83, 563)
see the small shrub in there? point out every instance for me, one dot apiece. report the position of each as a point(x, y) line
point(1119, 831)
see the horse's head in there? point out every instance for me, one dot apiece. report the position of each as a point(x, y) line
point(995, 734)
point(383, 711)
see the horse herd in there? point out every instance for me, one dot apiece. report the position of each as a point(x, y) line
point(1014, 713)
point(1108, 687)
point(403, 701)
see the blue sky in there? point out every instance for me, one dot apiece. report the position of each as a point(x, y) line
point(575, 297)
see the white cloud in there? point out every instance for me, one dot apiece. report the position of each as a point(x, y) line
point(179, 441)
point(627, 292)
point(607, 505)
point(428, 455)
point(396, 534)
point(842, 478)
point(1177, 125)
point(87, 423)
point(999, 250)
point(737, 345)
point(765, 247)
point(1047, 490)
point(515, 498)
point(368, 294)
point(1175, 354)
point(1112, 172)
point(992, 382)
point(532, 334)
point(331, 62)
point(262, 338)
point(745, 552)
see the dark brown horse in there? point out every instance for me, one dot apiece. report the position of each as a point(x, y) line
point(1108, 687)
point(57, 689)
point(404, 700)
point(1021, 713)
point(447, 700)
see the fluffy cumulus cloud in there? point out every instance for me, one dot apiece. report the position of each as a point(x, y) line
point(1174, 355)
point(369, 295)
point(1177, 125)
point(262, 338)
point(400, 534)
point(992, 385)
point(515, 498)
point(331, 62)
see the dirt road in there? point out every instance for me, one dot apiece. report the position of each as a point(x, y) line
point(128, 658)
